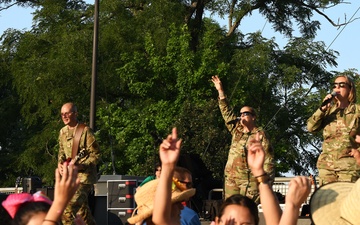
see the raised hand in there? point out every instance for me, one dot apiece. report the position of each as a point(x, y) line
point(170, 149)
point(169, 154)
point(65, 188)
point(299, 189)
point(67, 184)
point(217, 82)
point(256, 156)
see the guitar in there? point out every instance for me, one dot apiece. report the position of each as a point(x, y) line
point(79, 156)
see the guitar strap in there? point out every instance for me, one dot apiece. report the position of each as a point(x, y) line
point(75, 147)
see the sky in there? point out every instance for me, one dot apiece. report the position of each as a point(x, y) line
point(344, 40)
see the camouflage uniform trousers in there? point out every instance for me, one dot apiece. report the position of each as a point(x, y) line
point(328, 176)
point(243, 187)
point(79, 205)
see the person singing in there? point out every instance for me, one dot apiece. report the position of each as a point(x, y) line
point(238, 177)
point(339, 120)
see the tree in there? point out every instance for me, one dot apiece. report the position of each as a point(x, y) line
point(155, 62)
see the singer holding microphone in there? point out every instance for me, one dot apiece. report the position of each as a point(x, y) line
point(238, 177)
point(338, 117)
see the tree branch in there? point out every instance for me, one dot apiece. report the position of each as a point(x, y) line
point(326, 17)
point(8, 7)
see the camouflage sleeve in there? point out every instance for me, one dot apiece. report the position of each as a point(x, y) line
point(269, 157)
point(357, 120)
point(89, 144)
point(61, 154)
point(227, 114)
point(314, 123)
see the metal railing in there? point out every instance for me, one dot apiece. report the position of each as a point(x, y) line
point(10, 190)
point(281, 185)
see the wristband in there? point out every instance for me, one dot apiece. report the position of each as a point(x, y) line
point(51, 221)
point(264, 178)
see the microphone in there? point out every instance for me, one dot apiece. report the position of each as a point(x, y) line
point(327, 101)
point(233, 122)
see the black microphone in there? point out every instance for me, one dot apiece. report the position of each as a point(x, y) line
point(327, 101)
point(233, 122)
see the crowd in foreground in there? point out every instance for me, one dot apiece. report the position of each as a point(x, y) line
point(159, 201)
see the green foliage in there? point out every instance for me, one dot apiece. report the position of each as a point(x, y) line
point(155, 62)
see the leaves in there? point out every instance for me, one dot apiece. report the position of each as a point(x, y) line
point(155, 60)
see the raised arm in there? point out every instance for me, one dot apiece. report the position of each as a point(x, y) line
point(226, 111)
point(299, 189)
point(65, 188)
point(169, 154)
point(218, 85)
point(269, 203)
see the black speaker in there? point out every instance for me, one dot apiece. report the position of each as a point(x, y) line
point(118, 216)
point(100, 211)
point(121, 194)
point(30, 184)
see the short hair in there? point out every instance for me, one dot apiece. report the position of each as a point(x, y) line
point(157, 165)
point(73, 106)
point(181, 171)
point(28, 210)
point(241, 200)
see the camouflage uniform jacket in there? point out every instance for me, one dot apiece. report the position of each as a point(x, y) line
point(91, 149)
point(340, 126)
point(236, 166)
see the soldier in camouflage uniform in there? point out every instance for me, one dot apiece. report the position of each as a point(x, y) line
point(238, 177)
point(340, 124)
point(86, 165)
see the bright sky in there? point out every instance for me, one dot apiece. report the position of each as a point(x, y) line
point(343, 40)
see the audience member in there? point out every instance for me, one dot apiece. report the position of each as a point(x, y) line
point(152, 177)
point(187, 215)
point(336, 203)
point(168, 192)
point(238, 179)
point(238, 209)
point(27, 209)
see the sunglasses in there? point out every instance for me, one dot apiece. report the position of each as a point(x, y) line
point(188, 184)
point(246, 113)
point(340, 85)
point(67, 114)
point(181, 185)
